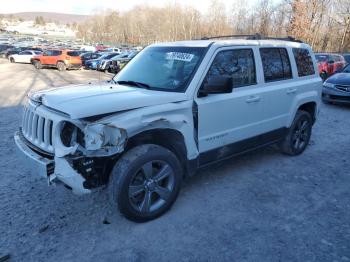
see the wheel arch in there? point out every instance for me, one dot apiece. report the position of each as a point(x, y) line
point(311, 108)
point(32, 60)
point(308, 101)
point(171, 139)
point(62, 61)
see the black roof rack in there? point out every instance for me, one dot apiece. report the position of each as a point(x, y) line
point(254, 37)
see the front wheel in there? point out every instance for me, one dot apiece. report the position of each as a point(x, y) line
point(37, 64)
point(298, 135)
point(145, 182)
point(12, 60)
point(61, 66)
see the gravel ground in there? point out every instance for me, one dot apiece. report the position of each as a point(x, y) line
point(262, 206)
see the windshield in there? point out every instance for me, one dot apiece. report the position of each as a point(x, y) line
point(346, 69)
point(163, 68)
point(321, 58)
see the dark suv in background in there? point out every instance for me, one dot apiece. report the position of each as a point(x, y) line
point(328, 64)
point(347, 58)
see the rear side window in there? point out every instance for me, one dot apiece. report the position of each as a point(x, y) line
point(73, 53)
point(238, 64)
point(276, 64)
point(304, 62)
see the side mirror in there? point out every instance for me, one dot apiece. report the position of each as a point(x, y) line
point(216, 85)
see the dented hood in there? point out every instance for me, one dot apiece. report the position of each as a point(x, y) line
point(81, 101)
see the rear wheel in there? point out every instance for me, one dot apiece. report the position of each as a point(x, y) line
point(61, 66)
point(299, 134)
point(145, 182)
point(37, 64)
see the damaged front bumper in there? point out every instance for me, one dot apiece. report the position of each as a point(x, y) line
point(51, 169)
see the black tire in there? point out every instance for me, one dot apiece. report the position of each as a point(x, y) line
point(12, 60)
point(61, 66)
point(298, 135)
point(37, 64)
point(130, 187)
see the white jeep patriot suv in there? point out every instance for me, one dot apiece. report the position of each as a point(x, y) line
point(174, 108)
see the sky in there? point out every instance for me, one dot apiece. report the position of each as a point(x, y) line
point(86, 7)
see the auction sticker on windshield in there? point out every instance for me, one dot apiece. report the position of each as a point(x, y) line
point(179, 56)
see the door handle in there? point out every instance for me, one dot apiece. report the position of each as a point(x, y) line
point(253, 99)
point(291, 91)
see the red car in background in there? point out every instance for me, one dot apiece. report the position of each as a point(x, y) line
point(328, 64)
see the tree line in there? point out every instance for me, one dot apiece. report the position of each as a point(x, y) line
point(324, 24)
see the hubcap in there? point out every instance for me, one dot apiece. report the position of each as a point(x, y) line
point(300, 135)
point(151, 186)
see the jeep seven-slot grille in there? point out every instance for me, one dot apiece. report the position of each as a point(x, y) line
point(37, 129)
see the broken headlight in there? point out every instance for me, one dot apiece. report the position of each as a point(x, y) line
point(98, 136)
point(71, 134)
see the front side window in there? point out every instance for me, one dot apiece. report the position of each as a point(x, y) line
point(165, 68)
point(238, 64)
point(276, 64)
point(53, 53)
point(304, 62)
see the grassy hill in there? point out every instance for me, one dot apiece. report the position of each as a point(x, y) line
point(50, 16)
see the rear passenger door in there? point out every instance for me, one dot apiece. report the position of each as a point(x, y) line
point(279, 87)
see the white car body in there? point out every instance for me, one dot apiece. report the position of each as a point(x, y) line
point(208, 125)
point(24, 56)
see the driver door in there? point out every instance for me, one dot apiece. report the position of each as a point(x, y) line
point(224, 119)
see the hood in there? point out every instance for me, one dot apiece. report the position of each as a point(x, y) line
point(80, 101)
point(339, 79)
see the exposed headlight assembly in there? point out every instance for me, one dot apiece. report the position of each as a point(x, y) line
point(99, 136)
point(91, 139)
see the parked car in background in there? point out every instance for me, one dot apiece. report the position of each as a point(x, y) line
point(89, 56)
point(25, 56)
point(88, 48)
point(117, 64)
point(328, 64)
point(93, 64)
point(347, 58)
point(60, 59)
point(12, 51)
point(113, 49)
point(106, 63)
point(336, 89)
point(4, 47)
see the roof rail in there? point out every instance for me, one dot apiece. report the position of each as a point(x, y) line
point(254, 37)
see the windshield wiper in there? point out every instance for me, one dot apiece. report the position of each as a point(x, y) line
point(133, 83)
point(111, 81)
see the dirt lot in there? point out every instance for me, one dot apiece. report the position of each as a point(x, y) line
point(262, 206)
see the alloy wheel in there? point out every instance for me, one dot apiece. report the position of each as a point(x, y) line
point(301, 135)
point(151, 186)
